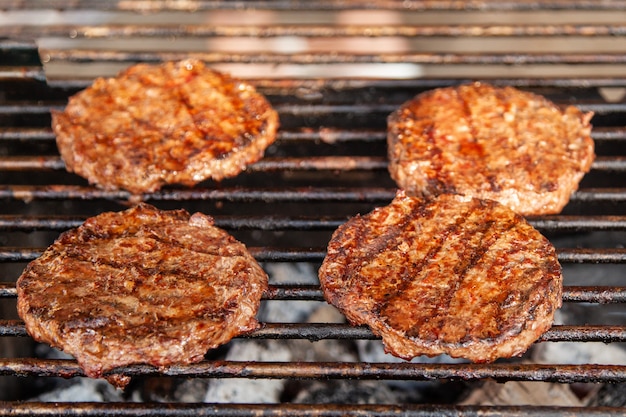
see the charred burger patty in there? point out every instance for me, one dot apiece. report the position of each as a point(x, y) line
point(179, 122)
point(141, 286)
point(492, 143)
point(453, 274)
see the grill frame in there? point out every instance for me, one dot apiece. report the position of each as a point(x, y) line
point(19, 45)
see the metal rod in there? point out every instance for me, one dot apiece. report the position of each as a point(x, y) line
point(335, 135)
point(573, 293)
point(7, 289)
point(27, 109)
point(557, 223)
point(278, 85)
point(578, 223)
point(590, 195)
point(60, 222)
point(587, 255)
point(326, 58)
point(238, 194)
point(280, 254)
point(268, 164)
point(311, 31)
point(600, 294)
point(314, 332)
point(320, 331)
point(161, 409)
point(337, 370)
point(27, 134)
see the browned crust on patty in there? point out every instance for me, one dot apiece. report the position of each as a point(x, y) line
point(141, 286)
point(455, 275)
point(174, 123)
point(492, 143)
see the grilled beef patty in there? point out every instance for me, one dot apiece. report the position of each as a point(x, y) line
point(141, 286)
point(454, 274)
point(493, 143)
point(179, 122)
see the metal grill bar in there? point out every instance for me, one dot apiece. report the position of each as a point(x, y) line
point(314, 332)
point(281, 85)
point(304, 410)
point(328, 135)
point(326, 58)
point(60, 223)
point(262, 254)
point(602, 295)
point(572, 293)
point(337, 370)
point(319, 110)
point(547, 223)
point(304, 194)
point(333, 163)
point(268, 254)
point(7, 289)
point(23, 73)
point(307, 194)
point(309, 163)
point(307, 110)
point(586, 255)
point(599, 194)
point(27, 134)
point(27, 109)
point(578, 223)
point(312, 31)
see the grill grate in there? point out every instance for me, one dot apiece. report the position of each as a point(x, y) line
point(328, 163)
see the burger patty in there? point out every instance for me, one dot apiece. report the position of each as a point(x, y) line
point(141, 286)
point(179, 122)
point(454, 274)
point(492, 143)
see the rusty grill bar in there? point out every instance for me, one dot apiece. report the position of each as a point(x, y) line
point(339, 370)
point(315, 332)
point(276, 254)
point(341, 410)
point(328, 164)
